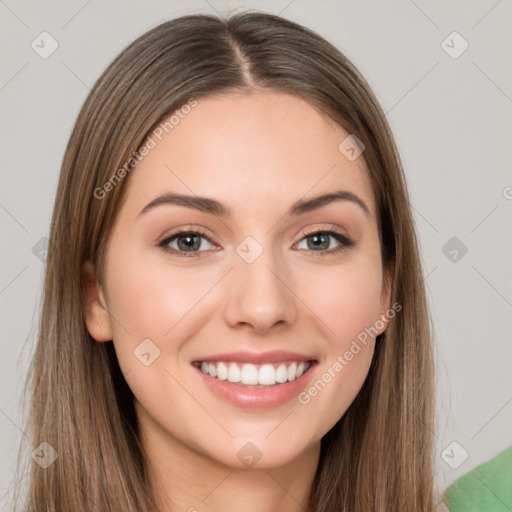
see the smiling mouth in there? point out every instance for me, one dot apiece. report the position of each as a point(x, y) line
point(254, 375)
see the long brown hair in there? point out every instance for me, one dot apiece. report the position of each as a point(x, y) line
point(378, 457)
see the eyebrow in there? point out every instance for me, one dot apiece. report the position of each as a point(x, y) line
point(213, 207)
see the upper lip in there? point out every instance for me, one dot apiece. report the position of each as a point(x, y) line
point(274, 356)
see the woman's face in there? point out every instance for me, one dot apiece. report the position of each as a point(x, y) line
point(257, 288)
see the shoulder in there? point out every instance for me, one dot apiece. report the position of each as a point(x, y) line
point(486, 487)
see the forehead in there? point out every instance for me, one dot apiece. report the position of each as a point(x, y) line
point(248, 149)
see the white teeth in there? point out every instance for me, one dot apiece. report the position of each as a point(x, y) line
point(281, 374)
point(249, 374)
point(222, 371)
point(266, 375)
point(292, 371)
point(253, 375)
point(233, 373)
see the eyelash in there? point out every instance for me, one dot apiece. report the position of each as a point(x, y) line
point(344, 241)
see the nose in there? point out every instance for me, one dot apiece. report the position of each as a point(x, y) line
point(260, 298)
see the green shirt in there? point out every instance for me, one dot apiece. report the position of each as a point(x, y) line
point(487, 488)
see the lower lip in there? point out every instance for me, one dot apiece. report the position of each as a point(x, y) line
point(257, 398)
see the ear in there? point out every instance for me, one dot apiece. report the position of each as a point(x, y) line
point(385, 295)
point(97, 316)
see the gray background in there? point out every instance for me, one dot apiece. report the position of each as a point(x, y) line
point(451, 119)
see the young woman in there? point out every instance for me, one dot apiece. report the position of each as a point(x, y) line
point(234, 314)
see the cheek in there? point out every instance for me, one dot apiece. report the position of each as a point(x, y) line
point(345, 298)
point(150, 299)
point(150, 296)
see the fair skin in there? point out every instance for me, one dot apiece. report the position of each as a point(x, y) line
point(257, 154)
